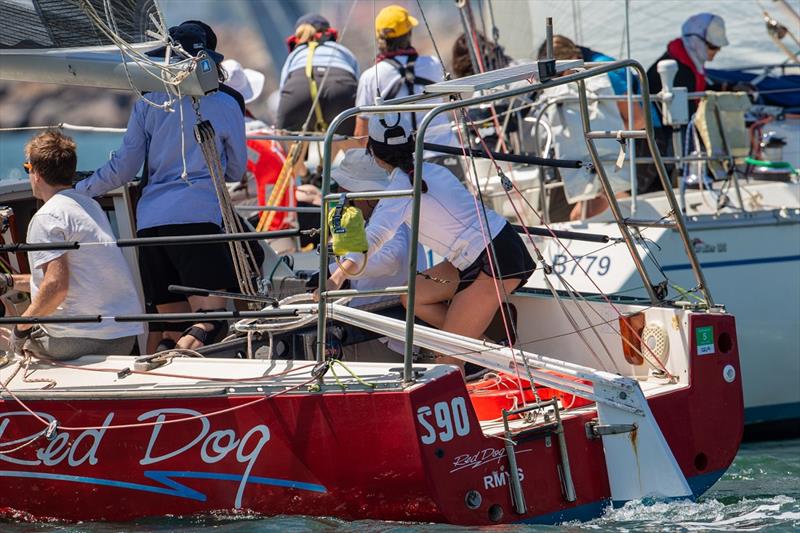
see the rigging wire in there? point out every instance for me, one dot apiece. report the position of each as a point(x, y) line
point(566, 249)
point(445, 74)
point(497, 167)
point(566, 312)
point(170, 74)
point(508, 324)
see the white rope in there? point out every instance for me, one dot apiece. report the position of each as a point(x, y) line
point(280, 325)
point(184, 173)
point(168, 74)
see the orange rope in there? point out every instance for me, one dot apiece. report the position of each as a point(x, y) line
point(296, 152)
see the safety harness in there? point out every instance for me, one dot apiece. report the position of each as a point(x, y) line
point(407, 76)
point(321, 125)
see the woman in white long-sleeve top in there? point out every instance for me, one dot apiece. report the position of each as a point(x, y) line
point(387, 267)
point(454, 226)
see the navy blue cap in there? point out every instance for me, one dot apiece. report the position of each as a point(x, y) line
point(315, 19)
point(211, 37)
point(193, 38)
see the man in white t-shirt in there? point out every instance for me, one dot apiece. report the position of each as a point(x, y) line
point(395, 66)
point(90, 280)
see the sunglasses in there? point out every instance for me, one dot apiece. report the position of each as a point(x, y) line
point(27, 166)
point(710, 46)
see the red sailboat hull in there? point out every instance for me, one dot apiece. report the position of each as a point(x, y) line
point(418, 454)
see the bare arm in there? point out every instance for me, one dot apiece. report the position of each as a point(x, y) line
point(52, 292)
point(338, 278)
point(348, 268)
point(362, 130)
point(638, 116)
point(22, 282)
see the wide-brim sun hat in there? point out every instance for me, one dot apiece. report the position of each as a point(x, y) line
point(358, 172)
point(249, 82)
point(394, 21)
point(390, 128)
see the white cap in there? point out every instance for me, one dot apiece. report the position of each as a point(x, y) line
point(390, 128)
point(706, 26)
point(715, 33)
point(358, 172)
point(247, 81)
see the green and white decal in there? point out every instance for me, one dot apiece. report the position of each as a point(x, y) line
point(705, 340)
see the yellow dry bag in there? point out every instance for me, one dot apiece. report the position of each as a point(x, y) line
point(348, 233)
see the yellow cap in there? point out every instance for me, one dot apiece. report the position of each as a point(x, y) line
point(394, 21)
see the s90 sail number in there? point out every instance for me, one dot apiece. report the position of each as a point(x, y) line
point(449, 418)
point(592, 264)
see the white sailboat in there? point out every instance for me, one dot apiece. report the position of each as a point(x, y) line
point(748, 242)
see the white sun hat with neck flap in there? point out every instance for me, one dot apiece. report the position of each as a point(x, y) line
point(358, 172)
point(390, 128)
point(247, 81)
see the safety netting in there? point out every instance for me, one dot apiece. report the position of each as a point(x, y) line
point(33, 24)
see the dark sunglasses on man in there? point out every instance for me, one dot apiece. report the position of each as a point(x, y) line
point(27, 166)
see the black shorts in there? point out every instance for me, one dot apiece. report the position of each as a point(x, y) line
point(206, 266)
point(338, 94)
point(513, 261)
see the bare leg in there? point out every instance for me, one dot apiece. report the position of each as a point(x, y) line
point(197, 303)
point(432, 293)
point(154, 339)
point(472, 309)
point(345, 144)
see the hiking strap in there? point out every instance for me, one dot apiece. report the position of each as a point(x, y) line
point(313, 88)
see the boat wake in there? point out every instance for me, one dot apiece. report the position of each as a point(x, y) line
point(778, 513)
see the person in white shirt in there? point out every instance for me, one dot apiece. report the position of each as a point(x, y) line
point(388, 267)
point(458, 294)
point(90, 280)
point(582, 196)
point(396, 65)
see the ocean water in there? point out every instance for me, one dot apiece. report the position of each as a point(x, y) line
point(760, 492)
point(94, 149)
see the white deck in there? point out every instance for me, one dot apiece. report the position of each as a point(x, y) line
point(94, 376)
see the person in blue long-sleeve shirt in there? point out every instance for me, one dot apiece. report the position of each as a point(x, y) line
point(178, 197)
